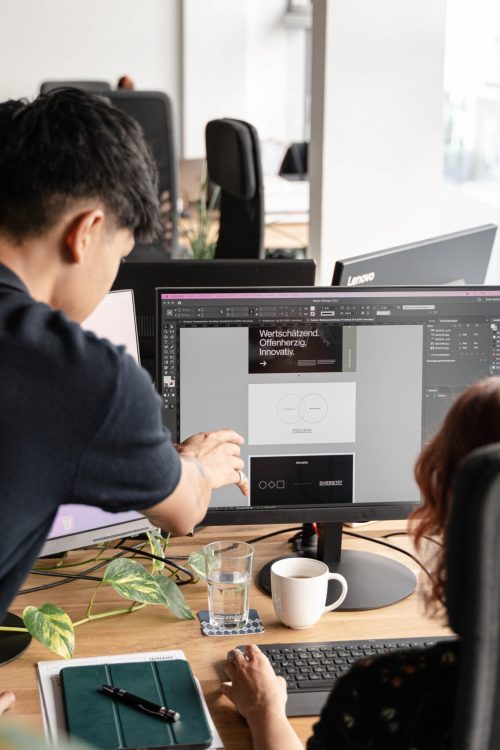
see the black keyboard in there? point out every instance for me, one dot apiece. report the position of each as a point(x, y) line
point(310, 669)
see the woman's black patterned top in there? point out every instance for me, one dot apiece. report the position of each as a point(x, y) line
point(400, 701)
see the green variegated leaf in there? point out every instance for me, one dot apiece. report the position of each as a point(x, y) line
point(132, 581)
point(15, 737)
point(156, 546)
point(196, 561)
point(51, 626)
point(174, 598)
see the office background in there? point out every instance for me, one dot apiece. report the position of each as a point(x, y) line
point(394, 95)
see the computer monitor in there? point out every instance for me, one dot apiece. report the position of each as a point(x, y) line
point(83, 525)
point(334, 390)
point(458, 258)
point(143, 278)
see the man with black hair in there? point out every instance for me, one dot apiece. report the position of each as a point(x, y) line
point(79, 421)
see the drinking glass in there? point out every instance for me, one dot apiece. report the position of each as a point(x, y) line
point(229, 573)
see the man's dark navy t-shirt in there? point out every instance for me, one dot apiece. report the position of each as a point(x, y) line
point(80, 422)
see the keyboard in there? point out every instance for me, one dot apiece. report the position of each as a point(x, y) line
point(310, 669)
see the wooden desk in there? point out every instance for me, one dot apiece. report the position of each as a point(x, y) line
point(154, 628)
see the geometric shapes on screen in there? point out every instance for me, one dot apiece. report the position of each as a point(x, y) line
point(298, 413)
point(310, 408)
point(301, 479)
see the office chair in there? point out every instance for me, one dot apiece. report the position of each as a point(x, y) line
point(473, 598)
point(153, 111)
point(233, 163)
point(93, 87)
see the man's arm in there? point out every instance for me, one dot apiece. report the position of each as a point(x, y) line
point(208, 460)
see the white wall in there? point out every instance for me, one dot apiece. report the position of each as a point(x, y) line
point(89, 39)
point(376, 153)
point(213, 67)
point(240, 60)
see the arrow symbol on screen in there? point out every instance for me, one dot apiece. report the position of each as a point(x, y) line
point(264, 364)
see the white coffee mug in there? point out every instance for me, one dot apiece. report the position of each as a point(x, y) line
point(299, 587)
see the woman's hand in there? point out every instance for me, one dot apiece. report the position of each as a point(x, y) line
point(254, 688)
point(260, 696)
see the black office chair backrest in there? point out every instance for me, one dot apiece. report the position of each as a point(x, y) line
point(473, 598)
point(154, 112)
point(93, 87)
point(233, 163)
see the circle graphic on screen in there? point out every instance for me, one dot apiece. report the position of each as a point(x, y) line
point(311, 408)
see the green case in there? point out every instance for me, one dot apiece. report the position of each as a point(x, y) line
point(111, 724)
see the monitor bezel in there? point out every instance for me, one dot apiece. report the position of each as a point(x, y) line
point(97, 536)
point(355, 512)
point(344, 265)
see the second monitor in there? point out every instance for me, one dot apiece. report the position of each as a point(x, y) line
point(143, 278)
point(458, 258)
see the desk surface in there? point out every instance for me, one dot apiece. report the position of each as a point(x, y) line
point(154, 628)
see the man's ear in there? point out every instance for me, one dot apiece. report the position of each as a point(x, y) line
point(82, 232)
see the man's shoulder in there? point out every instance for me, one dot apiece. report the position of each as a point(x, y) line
point(55, 347)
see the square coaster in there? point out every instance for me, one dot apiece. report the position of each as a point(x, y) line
point(254, 625)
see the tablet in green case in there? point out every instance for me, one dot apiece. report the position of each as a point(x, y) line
point(110, 724)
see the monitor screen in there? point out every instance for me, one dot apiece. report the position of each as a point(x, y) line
point(452, 259)
point(334, 390)
point(82, 525)
point(143, 278)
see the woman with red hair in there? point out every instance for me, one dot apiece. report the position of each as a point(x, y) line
point(405, 699)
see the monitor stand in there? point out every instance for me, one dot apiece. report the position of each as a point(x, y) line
point(12, 644)
point(373, 580)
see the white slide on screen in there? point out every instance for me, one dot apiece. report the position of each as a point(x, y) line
point(301, 413)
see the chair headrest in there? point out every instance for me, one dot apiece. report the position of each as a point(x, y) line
point(230, 156)
point(473, 550)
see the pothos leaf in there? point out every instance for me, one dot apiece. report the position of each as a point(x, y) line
point(156, 546)
point(16, 737)
point(196, 561)
point(174, 598)
point(132, 581)
point(51, 626)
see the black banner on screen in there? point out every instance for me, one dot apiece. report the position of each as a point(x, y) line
point(294, 348)
point(301, 480)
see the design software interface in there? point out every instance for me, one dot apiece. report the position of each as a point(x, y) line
point(334, 391)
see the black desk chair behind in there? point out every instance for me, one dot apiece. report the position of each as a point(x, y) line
point(92, 87)
point(473, 598)
point(153, 111)
point(233, 163)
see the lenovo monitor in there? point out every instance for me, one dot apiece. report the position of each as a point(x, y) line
point(334, 390)
point(451, 259)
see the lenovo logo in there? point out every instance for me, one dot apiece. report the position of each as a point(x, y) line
point(364, 278)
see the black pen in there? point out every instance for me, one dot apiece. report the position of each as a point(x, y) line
point(142, 704)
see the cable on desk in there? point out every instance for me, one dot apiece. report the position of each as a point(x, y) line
point(274, 533)
point(391, 546)
point(69, 577)
point(405, 533)
point(167, 560)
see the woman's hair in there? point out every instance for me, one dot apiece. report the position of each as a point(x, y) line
point(472, 421)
